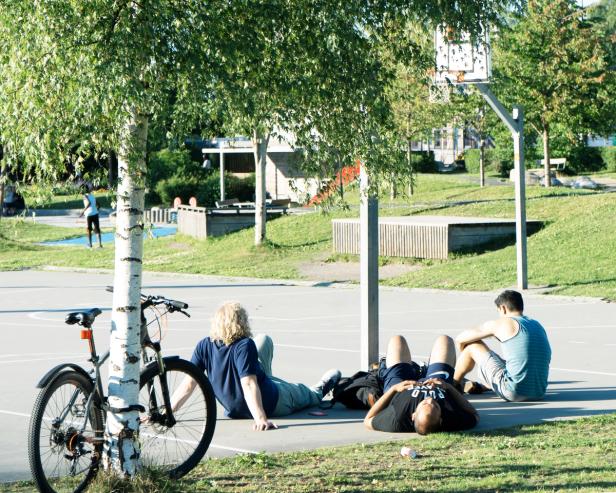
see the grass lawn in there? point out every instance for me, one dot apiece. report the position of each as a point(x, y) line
point(572, 254)
point(73, 201)
point(575, 455)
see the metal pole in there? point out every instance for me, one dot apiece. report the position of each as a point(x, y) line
point(369, 272)
point(515, 124)
point(520, 198)
point(222, 175)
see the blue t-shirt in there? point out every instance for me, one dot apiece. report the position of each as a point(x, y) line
point(226, 365)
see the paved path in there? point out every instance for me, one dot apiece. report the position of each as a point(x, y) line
point(314, 328)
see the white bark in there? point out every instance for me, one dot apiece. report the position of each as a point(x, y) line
point(260, 143)
point(546, 157)
point(482, 168)
point(121, 452)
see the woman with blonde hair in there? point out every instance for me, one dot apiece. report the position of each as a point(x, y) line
point(240, 370)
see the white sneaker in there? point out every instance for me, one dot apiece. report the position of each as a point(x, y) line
point(328, 381)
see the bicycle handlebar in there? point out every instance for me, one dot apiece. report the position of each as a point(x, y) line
point(149, 300)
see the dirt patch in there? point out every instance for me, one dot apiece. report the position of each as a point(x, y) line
point(179, 246)
point(349, 271)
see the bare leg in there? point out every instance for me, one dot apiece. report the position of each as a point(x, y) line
point(90, 238)
point(397, 351)
point(466, 362)
point(443, 351)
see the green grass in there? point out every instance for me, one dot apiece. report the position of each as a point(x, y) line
point(563, 456)
point(572, 254)
point(71, 201)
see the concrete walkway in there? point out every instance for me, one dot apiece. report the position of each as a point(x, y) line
point(315, 326)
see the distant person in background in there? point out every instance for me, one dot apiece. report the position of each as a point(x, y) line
point(522, 375)
point(91, 212)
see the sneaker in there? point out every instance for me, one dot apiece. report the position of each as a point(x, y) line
point(328, 381)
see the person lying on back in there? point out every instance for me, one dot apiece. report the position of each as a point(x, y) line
point(425, 405)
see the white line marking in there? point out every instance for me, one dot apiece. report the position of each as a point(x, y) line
point(577, 342)
point(612, 326)
point(64, 356)
point(585, 371)
point(234, 449)
point(11, 413)
point(212, 445)
point(318, 348)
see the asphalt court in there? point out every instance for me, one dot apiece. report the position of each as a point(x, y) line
point(314, 328)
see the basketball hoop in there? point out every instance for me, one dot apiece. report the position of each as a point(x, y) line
point(461, 59)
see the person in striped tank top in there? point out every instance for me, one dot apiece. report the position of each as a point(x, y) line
point(522, 373)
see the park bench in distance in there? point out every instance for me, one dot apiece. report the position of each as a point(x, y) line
point(226, 203)
point(556, 164)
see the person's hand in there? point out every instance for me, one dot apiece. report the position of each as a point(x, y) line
point(264, 425)
point(435, 381)
point(405, 385)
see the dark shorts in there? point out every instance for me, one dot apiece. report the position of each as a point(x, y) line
point(440, 370)
point(92, 221)
point(398, 373)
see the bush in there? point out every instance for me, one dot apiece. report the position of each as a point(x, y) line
point(585, 159)
point(206, 191)
point(609, 157)
point(423, 162)
point(168, 163)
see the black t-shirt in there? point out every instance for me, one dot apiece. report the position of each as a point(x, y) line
point(396, 417)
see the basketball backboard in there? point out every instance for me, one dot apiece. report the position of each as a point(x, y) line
point(461, 59)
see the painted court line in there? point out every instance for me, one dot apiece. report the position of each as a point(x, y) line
point(589, 372)
point(212, 445)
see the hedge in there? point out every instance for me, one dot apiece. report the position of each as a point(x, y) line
point(609, 157)
point(206, 191)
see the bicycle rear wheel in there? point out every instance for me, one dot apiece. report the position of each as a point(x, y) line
point(178, 448)
point(62, 457)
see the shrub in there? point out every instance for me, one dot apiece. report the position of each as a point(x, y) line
point(172, 167)
point(585, 159)
point(471, 160)
point(423, 162)
point(609, 157)
point(176, 186)
point(206, 191)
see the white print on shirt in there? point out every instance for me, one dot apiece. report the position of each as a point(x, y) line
point(427, 391)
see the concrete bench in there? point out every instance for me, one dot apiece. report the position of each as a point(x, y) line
point(556, 164)
point(226, 203)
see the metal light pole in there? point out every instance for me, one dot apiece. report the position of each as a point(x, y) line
point(369, 271)
point(515, 123)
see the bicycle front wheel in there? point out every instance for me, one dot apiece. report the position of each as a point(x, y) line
point(179, 447)
point(65, 438)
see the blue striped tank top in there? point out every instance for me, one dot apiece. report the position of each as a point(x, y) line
point(527, 357)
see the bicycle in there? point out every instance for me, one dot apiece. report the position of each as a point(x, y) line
point(66, 435)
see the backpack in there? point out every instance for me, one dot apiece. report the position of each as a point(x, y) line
point(359, 391)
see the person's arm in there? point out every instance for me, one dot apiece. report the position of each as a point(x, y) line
point(469, 336)
point(86, 203)
point(182, 393)
point(384, 401)
point(252, 396)
point(456, 396)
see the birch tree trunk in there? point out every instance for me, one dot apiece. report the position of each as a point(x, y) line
point(482, 165)
point(260, 143)
point(546, 156)
point(1, 196)
point(121, 452)
point(409, 160)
